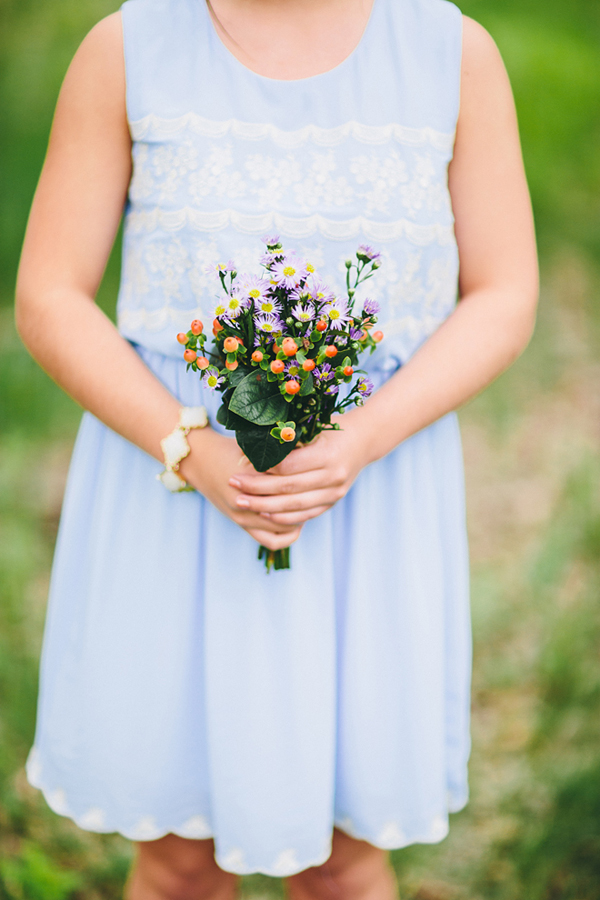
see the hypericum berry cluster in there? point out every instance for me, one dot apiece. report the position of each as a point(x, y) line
point(292, 327)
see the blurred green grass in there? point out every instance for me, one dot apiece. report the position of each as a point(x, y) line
point(532, 828)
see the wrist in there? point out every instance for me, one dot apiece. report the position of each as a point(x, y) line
point(175, 446)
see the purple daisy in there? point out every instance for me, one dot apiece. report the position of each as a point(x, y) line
point(293, 368)
point(337, 312)
point(371, 307)
point(323, 373)
point(368, 253)
point(364, 386)
point(211, 378)
point(289, 271)
point(268, 322)
point(271, 240)
point(304, 312)
point(356, 334)
point(320, 292)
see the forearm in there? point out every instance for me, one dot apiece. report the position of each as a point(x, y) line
point(487, 331)
point(83, 352)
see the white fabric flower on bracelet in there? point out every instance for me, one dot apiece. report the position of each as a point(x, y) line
point(176, 447)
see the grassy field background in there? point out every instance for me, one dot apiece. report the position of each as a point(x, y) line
point(532, 829)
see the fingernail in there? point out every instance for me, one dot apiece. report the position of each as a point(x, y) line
point(266, 515)
point(235, 483)
point(241, 501)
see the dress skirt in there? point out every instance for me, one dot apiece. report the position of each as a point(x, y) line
point(185, 690)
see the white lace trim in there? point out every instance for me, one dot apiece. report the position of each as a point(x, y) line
point(298, 228)
point(161, 128)
point(390, 837)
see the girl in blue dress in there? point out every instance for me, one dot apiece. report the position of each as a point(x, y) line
point(300, 723)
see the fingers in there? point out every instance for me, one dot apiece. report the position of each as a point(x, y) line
point(296, 518)
point(249, 520)
point(281, 503)
point(276, 484)
point(274, 541)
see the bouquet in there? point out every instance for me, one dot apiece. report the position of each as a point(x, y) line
point(284, 347)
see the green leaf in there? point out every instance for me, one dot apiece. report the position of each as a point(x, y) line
point(238, 375)
point(257, 400)
point(228, 419)
point(263, 450)
point(307, 386)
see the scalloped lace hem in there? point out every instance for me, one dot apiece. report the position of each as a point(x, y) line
point(294, 227)
point(196, 827)
point(161, 128)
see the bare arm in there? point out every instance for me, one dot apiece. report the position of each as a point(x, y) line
point(72, 226)
point(490, 327)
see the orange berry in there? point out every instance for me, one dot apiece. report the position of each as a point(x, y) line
point(287, 434)
point(308, 365)
point(217, 326)
point(378, 336)
point(277, 366)
point(189, 355)
point(289, 346)
point(364, 335)
point(348, 370)
point(276, 348)
point(292, 387)
point(196, 327)
point(182, 338)
point(331, 350)
point(232, 366)
point(231, 344)
point(257, 356)
point(321, 325)
point(202, 362)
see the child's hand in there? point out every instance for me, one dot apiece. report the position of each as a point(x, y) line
point(308, 481)
point(214, 460)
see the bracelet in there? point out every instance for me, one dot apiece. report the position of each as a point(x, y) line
point(175, 447)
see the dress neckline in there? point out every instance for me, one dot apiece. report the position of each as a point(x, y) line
point(226, 53)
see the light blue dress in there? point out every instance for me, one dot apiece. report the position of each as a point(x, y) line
point(183, 689)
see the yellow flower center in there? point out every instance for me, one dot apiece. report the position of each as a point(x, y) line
point(334, 313)
point(267, 327)
point(267, 307)
point(310, 268)
point(293, 370)
point(219, 310)
point(254, 293)
point(212, 381)
point(234, 303)
point(289, 271)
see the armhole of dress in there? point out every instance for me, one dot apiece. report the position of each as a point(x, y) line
point(127, 52)
point(459, 75)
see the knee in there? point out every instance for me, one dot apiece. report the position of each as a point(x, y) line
point(179, 870)
point(364, 874)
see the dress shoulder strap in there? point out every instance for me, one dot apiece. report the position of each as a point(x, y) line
point(162, 45)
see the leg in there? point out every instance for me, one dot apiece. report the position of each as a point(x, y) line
point(174, 868)
point(355, 871)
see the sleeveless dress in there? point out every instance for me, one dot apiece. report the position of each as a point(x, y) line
point(183, 689)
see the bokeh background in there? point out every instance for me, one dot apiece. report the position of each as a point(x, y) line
point(532, 829)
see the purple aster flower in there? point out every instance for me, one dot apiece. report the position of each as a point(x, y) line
point(271, 240)
point(364, 387)
point(371, 307)
point(365, 251)
point(211, 378)
point(337, 311)
point(293, 368)
point(235, 305)
point(268, 322)
point(252, 287)
point(267, 305)
point(289, 271)
point(304, 312)
point(356, 334)
point(319, 291)
point(271, 257)
point(323, 373)
point(332, 389)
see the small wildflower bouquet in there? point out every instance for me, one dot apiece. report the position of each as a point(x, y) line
point(284, 347)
